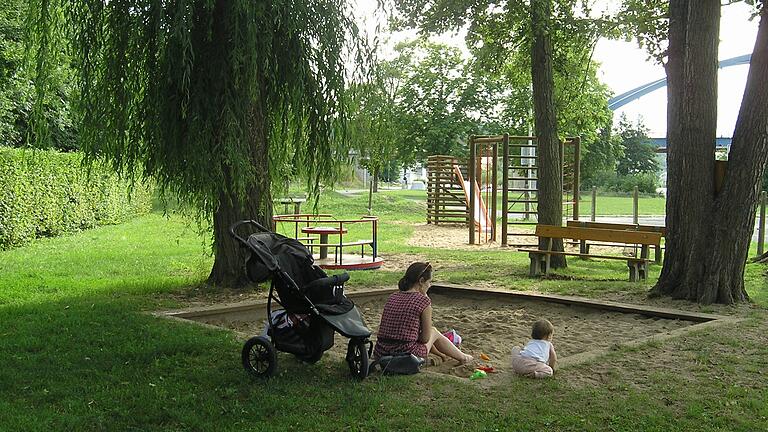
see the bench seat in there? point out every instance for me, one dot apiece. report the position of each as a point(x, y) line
point(638, 266)
point(338, 247)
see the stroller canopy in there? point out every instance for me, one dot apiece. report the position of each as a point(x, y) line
point(273, 254)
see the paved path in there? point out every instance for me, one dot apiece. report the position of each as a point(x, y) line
point(649, 220)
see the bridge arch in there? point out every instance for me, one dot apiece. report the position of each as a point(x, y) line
point(619, 101)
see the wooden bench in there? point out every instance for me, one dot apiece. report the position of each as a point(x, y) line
point(584, 247)
point(638, 266)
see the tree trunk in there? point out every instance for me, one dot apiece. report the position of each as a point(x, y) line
point(550, 182)
point(691, 131)
point(677, 236)
point(709, 234)
point(375, 180)
point(229, 259)
point(721, 270)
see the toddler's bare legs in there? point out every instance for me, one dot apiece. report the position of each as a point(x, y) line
point(528, 366)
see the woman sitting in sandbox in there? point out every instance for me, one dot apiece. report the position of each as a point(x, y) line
point(406, 322)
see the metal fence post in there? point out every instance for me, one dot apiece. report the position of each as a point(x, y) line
point(635, 206)
point(594, 202)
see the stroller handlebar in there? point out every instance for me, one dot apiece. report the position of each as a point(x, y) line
point(236, 225)
point(329, 281)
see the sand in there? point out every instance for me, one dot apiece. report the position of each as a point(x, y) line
point(494, 326)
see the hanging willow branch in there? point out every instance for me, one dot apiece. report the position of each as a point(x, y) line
point(167, 88)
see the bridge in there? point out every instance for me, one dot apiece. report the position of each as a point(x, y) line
point(636, 93)
point(661, 142)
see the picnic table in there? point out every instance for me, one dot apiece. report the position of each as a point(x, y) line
point(324, 232)
point(296, 204)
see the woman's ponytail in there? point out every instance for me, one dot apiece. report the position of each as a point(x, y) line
point(403, 284)
point(415, 272)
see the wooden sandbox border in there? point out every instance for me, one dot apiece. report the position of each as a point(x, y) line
point(250, 310)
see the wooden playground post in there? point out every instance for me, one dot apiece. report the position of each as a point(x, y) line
point(505, 189)
point(761, 228)
point(435, 202)
point(594, 202)
point(494, 190)
point(471, 168)
point(635, 205)
point(528, 175)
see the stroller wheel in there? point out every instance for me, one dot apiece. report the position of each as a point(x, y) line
point(357, 358)
point(259, 357)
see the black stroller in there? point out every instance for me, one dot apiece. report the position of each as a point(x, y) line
point(314, 305)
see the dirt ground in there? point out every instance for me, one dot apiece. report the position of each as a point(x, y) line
point(456, 237)
point(494, 326)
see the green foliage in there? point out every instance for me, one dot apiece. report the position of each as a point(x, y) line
point(639, 154)
point(621, 159)
point(648, 22)
point(499, 40)
point(600, 155)
point(613, 182)
point(434, 101)
point(47, 193)
point(17, 92)
point(374, 127)
point(196, 95)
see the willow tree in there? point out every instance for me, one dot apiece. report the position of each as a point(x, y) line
point(210, 99)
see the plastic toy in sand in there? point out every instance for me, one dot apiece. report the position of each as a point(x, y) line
point(478, 374)
point(453, 336)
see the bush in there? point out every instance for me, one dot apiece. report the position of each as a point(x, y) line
point(610, 181)
point(645, 182)
point(47, 193)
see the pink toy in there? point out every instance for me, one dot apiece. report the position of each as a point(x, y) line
point(453, 336)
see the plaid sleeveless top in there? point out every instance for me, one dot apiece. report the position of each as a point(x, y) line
point(400, 323)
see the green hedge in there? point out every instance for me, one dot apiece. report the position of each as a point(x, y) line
point(47, 193)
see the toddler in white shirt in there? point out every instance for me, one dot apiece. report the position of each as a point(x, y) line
point(538, 358)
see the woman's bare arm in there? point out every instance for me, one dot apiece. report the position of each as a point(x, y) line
point(426, 324)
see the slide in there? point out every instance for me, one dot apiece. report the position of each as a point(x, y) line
point(480, 218)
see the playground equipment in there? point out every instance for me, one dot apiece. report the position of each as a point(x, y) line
point(446, 200)
point(451, 199)
point(480, 219)
point(314, 231)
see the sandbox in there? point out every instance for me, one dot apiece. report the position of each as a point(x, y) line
point(492, 321)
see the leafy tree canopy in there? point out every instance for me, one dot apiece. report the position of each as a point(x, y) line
point(499, 37)
point(639, 154)
point(181, 91)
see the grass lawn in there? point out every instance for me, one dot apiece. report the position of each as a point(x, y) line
point(79, 353)
point(606, 205)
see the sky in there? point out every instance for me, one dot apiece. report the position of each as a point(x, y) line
point(625, 66)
